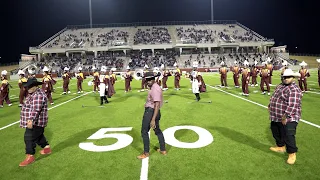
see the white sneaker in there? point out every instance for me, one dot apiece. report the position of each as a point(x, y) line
point(79, 92)
point(20, 105)
point(268, 94)
point(52, 103)
point(69, 92)
point(64, 93)
point(263, 93)
point(256, 85)
point(1, 106)
point(252, 85)
point(9, 105)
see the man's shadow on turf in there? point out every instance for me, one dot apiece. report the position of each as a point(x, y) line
point(70, 142)
point(244, 139)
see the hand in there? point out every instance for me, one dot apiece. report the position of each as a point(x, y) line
point(153, 124)
point(284, 120)
point(29, 124)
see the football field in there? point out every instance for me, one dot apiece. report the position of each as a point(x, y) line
point(226, 139)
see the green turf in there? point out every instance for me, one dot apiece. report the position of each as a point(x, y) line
point(240, 129)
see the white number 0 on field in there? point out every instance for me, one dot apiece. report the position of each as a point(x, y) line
point(124, 140)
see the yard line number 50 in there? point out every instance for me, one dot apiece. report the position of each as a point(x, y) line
point(124, 140)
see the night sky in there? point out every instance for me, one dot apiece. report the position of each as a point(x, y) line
point(30, 22)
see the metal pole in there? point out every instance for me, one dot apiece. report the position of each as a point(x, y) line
point(90, 12)
point(212, 12)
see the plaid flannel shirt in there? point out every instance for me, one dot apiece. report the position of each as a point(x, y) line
point(285, 102)
point(35, 108)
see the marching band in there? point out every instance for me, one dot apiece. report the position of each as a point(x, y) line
point(104, 81)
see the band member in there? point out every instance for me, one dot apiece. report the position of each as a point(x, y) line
point(254, 73)
point(80, 78)
point(318, 60)
point(105, 87)
point(144, 85)
point(223, 74)
point(303, 78)
point(47, 84)
point(128, 78)
point(245, 78)
point(4, 89)
point(23, 91)
point(95, 79)
point(113, 76)
point(159, 77)
point(166, 74)
point(53, 82)
point(236, 72)
point(264, 74)
point(198, 84)
point(270, 68)
point(284, 67)
point(31, 73)
point(177, 77)
point(66, 80)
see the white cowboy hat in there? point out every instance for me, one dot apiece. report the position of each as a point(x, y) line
point(113, 69)
point(94, 68)
point(20, 72)
point(318, 60)
point(31, 71)
point(255, 62)
point(66, 69)
point(45, 69)
point(175, 64)
point(303, 64)
point(235, 62)
point(128, 68)
point(162, 66)
point(289, 72)
point(4, 72)
point(285, 63)
point(222, 63)
point(80, 68)
point(146, 66)
point(264, 63)
point(246, 63)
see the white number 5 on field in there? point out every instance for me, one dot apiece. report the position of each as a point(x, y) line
point(124, 140)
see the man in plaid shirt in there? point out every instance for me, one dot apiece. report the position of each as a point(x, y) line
point(34, 117)
point(285, 113)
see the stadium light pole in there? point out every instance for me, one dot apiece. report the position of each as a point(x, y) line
point(90, 13)
point(212, 18)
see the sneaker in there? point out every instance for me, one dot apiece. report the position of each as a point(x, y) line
point(1, 106)
point(29, 159)
point(20, 105)
point(78, 92)
point(278, 149)
point(162, 152)
point(292, 158)
point(64, 93)
point(256, 85)
point(9, 104)
point(46, 150)
point(143, 155)
point(52, 103)
point(263, 93)
point(69, 92)
point(268, 94)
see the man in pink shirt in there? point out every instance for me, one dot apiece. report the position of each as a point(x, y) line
point(152, 116)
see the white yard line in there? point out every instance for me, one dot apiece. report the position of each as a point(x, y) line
point(145, 166)
point(307, 122)
point(48, 109)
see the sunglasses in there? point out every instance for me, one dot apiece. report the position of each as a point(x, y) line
point(287, 77)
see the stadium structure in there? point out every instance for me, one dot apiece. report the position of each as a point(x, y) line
point(137, 44)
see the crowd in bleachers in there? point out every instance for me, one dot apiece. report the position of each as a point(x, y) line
point(109, 38)
point(155, 35)
point(141, 58)
point(196, 35)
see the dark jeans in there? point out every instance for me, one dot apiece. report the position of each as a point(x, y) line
point(148, 114)
point(32, 137)
point(285, 135)
point(197, 96)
